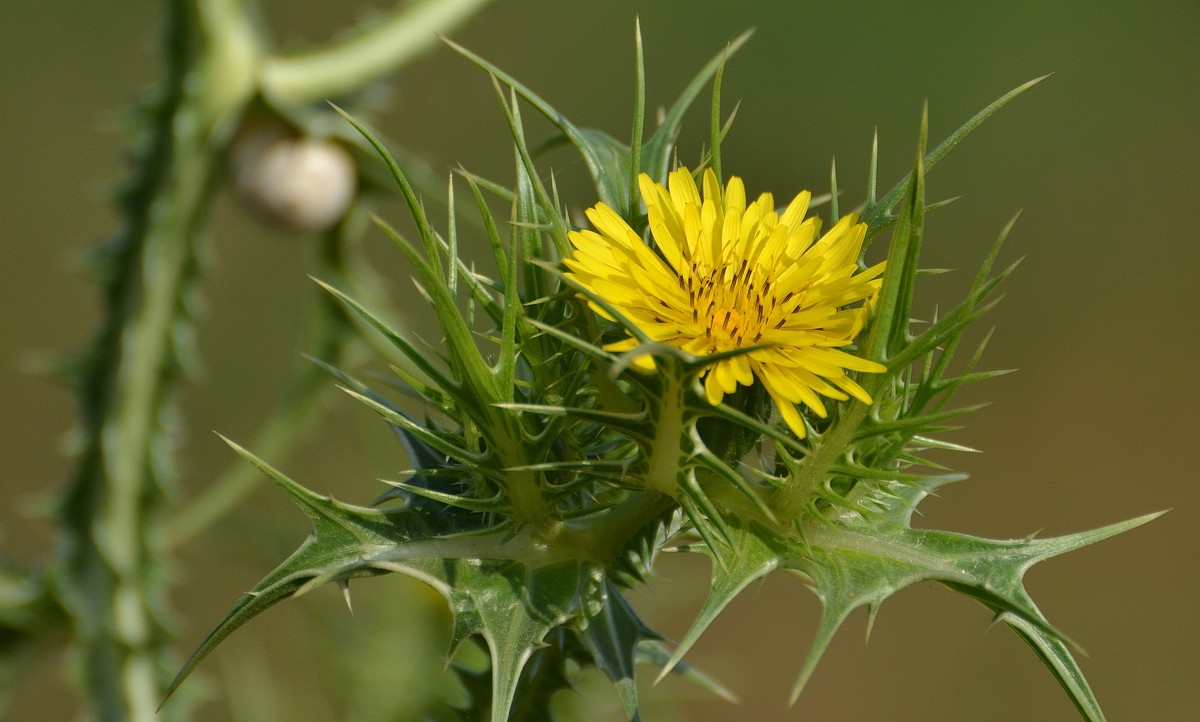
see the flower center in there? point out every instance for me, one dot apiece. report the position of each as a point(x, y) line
point(732, 304)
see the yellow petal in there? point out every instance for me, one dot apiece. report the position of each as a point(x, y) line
point(735, 194)
point(727, 274)
point(683, 189)
point(712, 388)
point(790, 416)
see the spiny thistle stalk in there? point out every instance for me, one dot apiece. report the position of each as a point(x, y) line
point(697, 373)
point(108, 583)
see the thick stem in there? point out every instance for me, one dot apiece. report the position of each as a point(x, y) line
point(111, 566)
point(607, 535)
point(111, 571)
point(638, 511)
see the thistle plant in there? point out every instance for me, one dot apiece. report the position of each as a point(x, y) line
point(693, 370)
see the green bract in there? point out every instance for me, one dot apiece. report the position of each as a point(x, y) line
point(550, 472)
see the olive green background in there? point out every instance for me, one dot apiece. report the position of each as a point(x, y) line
point(1101, 319)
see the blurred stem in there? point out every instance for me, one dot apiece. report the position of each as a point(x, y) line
point(407, 31)
point(111, 572)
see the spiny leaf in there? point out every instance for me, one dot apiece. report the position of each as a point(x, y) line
point(1043, 549)
point(476, 385)
point(890, 327)
point(715, 137)
point(657, 150)
point(415, 208)
point(522, 237)
point(481, 385)
point(657, 654)
point(748, 557)
point(514, 615)
point(396, 418)
point(876, 213)
point(855, 564)
point(612, 634)
point(599, 151)
point(478, 291)
point(509, 604)
point(704, 458)
point(557, 229)
point(843, 583)
point(912, 423)
point(635, 425)
point(1055, 654)
point(445, 499)
point(419, 358)
point(639, 116)
point(336, 548)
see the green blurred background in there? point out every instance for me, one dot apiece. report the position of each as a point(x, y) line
point(1101, 320)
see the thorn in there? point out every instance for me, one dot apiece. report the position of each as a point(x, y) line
point(344, 585)
point(872, 611)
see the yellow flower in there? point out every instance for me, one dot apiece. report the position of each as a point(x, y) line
point(729, 276)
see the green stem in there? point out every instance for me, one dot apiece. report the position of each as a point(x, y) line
point(407, 31)
point(791, 500)
point(110, 573)
point(607, 535)
point(111, 570)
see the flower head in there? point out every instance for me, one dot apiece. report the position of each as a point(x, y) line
point(729, 276)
